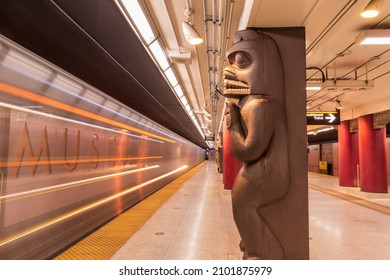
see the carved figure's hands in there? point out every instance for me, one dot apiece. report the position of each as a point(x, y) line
point(232, 113)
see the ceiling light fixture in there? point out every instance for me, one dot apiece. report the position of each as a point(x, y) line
point(132, 10)
point(372, 9)
point(137, 17)
point(313, 87)
point(190, 33)
point(192, 36)
point(373, 37)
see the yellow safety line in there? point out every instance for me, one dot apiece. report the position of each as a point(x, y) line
point(103, 243)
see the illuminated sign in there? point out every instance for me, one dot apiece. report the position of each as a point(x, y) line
point(323, 118)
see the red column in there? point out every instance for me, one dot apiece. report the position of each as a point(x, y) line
point(231, 165)
point(355, 157)
point(372, 156)
point(348, 155)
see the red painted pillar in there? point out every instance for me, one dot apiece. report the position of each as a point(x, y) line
point(348, 155)
point(355, 158)
point(231, 165)
point(372, 156)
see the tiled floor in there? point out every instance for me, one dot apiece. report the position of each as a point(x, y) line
point(197, 223)
point(343, 230)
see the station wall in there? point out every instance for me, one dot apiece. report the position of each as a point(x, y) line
point(329, 153)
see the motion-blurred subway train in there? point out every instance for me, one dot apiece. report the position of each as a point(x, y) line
point(72, 157)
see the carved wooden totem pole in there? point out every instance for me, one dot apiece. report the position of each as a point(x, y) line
point(257, 125)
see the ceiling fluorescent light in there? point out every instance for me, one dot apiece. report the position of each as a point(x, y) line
point(179, 91)
point(159, 55)
point(137, 15)
point(313, 87)
point(372, 9)
point(183, 100)
point(171, 77)
point(373, 37)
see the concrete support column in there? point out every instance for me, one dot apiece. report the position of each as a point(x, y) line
point(231, 165)
point(348, 155)
point(372, 156)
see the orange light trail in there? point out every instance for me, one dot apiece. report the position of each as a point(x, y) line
point(66, 107)
point(71, 161)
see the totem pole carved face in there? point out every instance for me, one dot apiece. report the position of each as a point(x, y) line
point(254, 66)
point(237, 75)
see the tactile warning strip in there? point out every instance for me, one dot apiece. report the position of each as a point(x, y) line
point(103, 243)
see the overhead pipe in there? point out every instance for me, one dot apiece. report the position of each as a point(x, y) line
point(219, 25)
point(227, 34)
point(221, 31)
point(211, 61)
point(210, 74)
point(229, 7)
point(214, 43)
point(206, 41)
point(214, 97)
point(219, 39)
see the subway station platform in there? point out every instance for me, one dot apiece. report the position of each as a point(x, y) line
point(194, 222)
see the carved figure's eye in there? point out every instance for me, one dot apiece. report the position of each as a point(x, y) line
point(240, 60)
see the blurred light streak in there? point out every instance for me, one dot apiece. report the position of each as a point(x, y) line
point(1, 189)
point(74, 110)
point(72, 184)
point(89, 160)
point(83, 98)
point(86, 208)
point(121, 131)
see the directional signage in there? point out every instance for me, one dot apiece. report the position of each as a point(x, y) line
point(323, 118)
